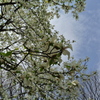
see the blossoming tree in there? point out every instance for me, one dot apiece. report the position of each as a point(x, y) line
point(31, 50)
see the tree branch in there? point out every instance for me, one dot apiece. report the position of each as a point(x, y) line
point(7, 3)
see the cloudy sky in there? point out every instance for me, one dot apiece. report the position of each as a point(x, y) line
point(86, 32)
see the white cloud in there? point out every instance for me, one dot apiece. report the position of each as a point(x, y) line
point(71, 29)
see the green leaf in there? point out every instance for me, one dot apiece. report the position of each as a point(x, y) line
point(8, 53)
point(68, 66)
point(18, 71)
point(2, 53)
point(42, 68)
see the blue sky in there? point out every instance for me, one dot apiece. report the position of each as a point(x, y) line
point(86, 32)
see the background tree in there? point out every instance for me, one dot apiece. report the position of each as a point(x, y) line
point(90, 89)
point(30, 50)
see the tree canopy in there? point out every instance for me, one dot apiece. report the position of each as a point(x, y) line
point(31, 50)
point(90, 89)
